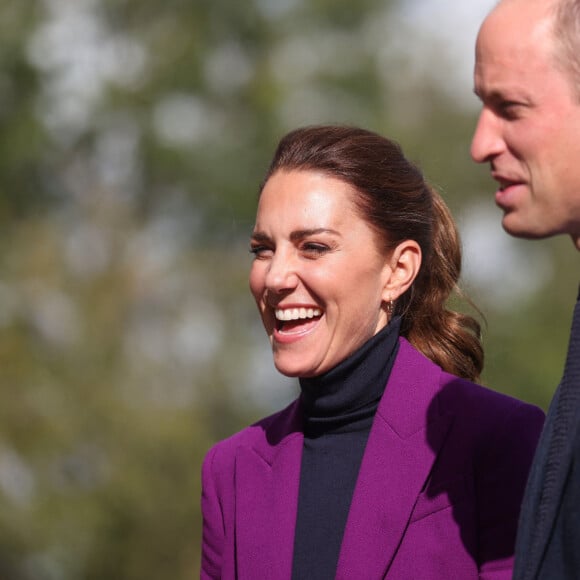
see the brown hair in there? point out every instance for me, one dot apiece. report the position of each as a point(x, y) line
point(394, 198)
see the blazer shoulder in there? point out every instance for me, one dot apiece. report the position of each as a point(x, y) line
point(498, 424)
point(461, 392)
point(482, 407)
point(453, 393)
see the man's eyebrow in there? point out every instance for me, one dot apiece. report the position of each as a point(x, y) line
point(492, 95)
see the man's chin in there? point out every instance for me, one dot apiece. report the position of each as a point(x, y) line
point(519, 228)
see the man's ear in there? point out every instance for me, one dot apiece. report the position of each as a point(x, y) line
point(402, 269)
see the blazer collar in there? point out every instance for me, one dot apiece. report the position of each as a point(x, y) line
point(405, 438)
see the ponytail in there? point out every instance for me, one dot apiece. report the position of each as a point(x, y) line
point(449, 338)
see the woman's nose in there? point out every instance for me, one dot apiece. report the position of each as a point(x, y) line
point(282, 274)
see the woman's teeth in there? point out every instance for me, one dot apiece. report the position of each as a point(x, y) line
point(296, 313)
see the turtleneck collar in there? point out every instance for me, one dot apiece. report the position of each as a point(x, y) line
point(346, 397)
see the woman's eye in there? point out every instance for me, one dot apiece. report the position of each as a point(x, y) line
point(260, 251)
point(314, 249)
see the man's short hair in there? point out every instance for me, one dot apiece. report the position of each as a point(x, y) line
point(566, 30)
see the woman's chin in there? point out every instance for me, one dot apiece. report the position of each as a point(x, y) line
point(288, 371)
point(295, 369)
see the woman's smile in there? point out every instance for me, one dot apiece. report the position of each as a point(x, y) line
point(295, 323)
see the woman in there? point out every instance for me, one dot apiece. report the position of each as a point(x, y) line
point(391, 463)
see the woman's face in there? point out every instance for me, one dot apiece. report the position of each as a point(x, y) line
point(318, 277)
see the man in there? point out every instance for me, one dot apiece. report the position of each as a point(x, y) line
point(527, 75)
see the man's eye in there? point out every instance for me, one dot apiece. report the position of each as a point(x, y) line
point(509, 109)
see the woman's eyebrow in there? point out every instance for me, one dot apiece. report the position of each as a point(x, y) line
point(259, 237)
point(301, 234)
point(296, 234)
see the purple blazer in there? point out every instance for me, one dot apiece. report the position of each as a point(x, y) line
point(437, 496)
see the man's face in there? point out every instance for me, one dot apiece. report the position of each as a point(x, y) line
point(529, 125)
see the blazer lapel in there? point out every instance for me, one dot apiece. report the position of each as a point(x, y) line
point(406, 436)
point(267, 480)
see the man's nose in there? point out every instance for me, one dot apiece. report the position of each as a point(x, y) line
point(487, 141)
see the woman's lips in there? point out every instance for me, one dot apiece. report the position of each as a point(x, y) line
point(294, 323)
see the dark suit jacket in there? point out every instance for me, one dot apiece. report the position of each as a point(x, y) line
point(548, 542)
point(437, 496)
point(550, 549)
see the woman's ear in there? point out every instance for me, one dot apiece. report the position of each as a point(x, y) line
point(402, 269)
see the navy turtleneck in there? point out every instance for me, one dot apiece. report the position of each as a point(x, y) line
point(338, 408)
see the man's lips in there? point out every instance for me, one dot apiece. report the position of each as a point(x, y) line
point(505, 180)
point(507, 190)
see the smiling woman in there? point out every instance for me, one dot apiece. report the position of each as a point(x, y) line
point(315, 253)
point(391, 463)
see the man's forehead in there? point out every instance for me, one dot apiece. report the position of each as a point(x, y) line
point(530, 10)
point(516, 30)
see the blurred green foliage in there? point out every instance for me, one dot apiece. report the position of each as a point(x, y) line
point(133, 136)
